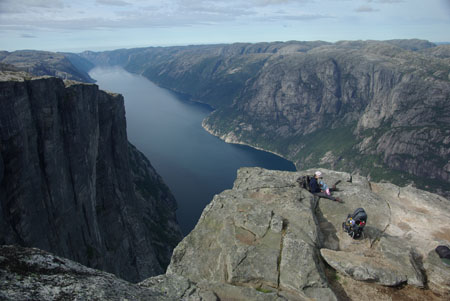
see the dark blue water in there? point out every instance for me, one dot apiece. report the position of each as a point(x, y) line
point(167, 129)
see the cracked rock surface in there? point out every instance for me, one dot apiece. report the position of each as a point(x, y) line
point(262, 234)
point(268, 239)
point(404, 227)
point(32, 274)
point(268, 234)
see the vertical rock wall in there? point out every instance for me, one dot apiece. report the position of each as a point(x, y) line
point(66, 182)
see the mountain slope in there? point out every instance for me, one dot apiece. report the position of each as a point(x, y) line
point(379, 108)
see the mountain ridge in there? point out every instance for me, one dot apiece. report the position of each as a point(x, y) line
point(41, 63)
point(358, 106)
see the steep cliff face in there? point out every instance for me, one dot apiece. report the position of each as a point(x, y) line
point(379, 108)
point(71, 183)
point(269, 239)
point(375, 109)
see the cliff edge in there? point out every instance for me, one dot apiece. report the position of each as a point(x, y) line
point(71, 184)
point(269, 239)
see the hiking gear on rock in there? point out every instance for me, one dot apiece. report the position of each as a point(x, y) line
point(355, 223)
point(310, 183)
point(444, 254)
point(304, 181)
point(314, 185)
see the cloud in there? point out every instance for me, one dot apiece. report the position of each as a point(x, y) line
point(295, 17)
point(61, 15)
point(276, 2)
point(365, 9)
point(13, 5)
point(385, 1)
point(24, 6)
point(113, 2)
point(28, 36)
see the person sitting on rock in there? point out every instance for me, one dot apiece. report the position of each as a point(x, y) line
point(320, 189)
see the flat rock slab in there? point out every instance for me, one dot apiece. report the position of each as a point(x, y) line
point(403, 226)
point(262, 234)
point(438, 275)
point(32, 274)
point(422, 218)
point(266, 233)
point(368, 268)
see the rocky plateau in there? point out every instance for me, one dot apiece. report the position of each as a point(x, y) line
point(269, 239)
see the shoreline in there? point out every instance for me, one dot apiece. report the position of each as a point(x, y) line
point(188, 98)
point(237, 142)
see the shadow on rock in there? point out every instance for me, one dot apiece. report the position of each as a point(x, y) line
point(328, 232)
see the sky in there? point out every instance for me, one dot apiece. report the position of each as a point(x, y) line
point(78, 25)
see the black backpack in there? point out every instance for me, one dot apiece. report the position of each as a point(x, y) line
point(443, 251)
point(303, 182)
point(355, 223)
point(444, 254)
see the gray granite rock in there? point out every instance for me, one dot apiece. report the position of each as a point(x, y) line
point(403, 226)
point(438, 274)
point(383, 271)
point(261, 234)
point(268, 239)
point(267, 233)
point(32, 274)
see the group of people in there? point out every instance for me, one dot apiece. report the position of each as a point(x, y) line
point(354, 223)
point(320, 188)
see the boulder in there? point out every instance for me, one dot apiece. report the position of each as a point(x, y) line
point(438, 274)
point(403, 226)
point(369, 268)
point(32, 274)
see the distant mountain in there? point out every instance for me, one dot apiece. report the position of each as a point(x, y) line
point(79, 62)
point(379, 108)
point(65, 66)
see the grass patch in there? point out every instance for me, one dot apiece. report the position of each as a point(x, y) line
point(264, 290)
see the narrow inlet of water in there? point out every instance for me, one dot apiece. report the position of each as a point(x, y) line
point(167, 129)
